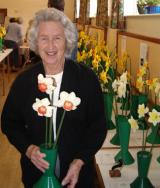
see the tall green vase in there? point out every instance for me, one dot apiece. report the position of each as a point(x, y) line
point(124, 136)
point(143, 161)
point(154, 137)
point(48, 179)
point(108, 103)
point(115, 139)
point(134, 106)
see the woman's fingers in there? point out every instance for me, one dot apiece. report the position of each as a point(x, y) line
point(37, 158)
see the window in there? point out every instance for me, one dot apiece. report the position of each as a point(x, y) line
point(130, 7)
point(92, 8)
point(77, 8)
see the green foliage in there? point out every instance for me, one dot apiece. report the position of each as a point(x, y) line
point(153, 2)
point(142, 3)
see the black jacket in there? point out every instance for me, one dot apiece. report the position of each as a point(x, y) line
point(83, 130)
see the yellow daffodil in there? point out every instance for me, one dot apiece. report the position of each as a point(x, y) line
point(2, 32)
point(139, 84)
point(142, 110)
point(103, 76)
point(152, 83)
point(141, 71)
point(154, 117)
point(133, 123)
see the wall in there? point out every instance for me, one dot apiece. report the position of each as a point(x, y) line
point(133, 49)
point(148, 25)
point(27, 8)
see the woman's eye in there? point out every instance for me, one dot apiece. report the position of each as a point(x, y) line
point(58, 38)
point(44, 39)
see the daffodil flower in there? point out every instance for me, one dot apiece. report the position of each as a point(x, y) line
point(121, 90)
point(154, 117)
point(133, 123)
point(45, 84)
point(123, 77)
point(68, 101)
point(139, 84)
point(142, 110)
point(42, 107)
point(115, 85)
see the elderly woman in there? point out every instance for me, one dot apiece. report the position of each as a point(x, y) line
point(52, 37)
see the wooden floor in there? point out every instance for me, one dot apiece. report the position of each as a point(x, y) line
point(10, 172)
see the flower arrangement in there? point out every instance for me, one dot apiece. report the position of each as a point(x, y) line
point(153, 118)
point(2, 32)
point(98, 57)
point(44, 107)
point(142, 76)
point(141, 3)
point(122, 92)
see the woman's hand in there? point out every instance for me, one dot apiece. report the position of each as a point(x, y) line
point(71, 178)
point(36, 157)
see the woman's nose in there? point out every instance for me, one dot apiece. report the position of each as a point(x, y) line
point(51, 44)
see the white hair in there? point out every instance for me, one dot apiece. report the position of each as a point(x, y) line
point(52, 14)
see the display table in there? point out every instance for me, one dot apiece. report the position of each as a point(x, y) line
point(26, 51)
point(105, 161)
point(3, 56)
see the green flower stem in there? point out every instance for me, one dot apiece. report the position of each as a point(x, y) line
point(50, 132)
point(143, 148)
point(115, 110)
point(50, 137)
point(146, 138)
point(46, 136)
point(122, 104)
point(155, 134)
point(116, 105)
point(59, 128)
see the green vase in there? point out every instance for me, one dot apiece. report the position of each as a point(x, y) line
point(108, 103)
point(134, 106)
point(154, 137)
point(125, 104)
point(124, 136)
point(143, 162)
point(115, 139)
point(48, 179)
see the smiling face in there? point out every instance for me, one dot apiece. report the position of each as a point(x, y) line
point(51, 46)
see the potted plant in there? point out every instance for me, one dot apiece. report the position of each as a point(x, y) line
point(153, 6)
point(141, 6)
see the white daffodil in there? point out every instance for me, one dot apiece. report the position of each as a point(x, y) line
point(123, 77)
point(142, 110)
point(157, 88)
point(46, 84)
point(133, 123)
point(68, 101)
point(115, 85)
point(121, 90)
point(42, 107)
point(154, 117)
